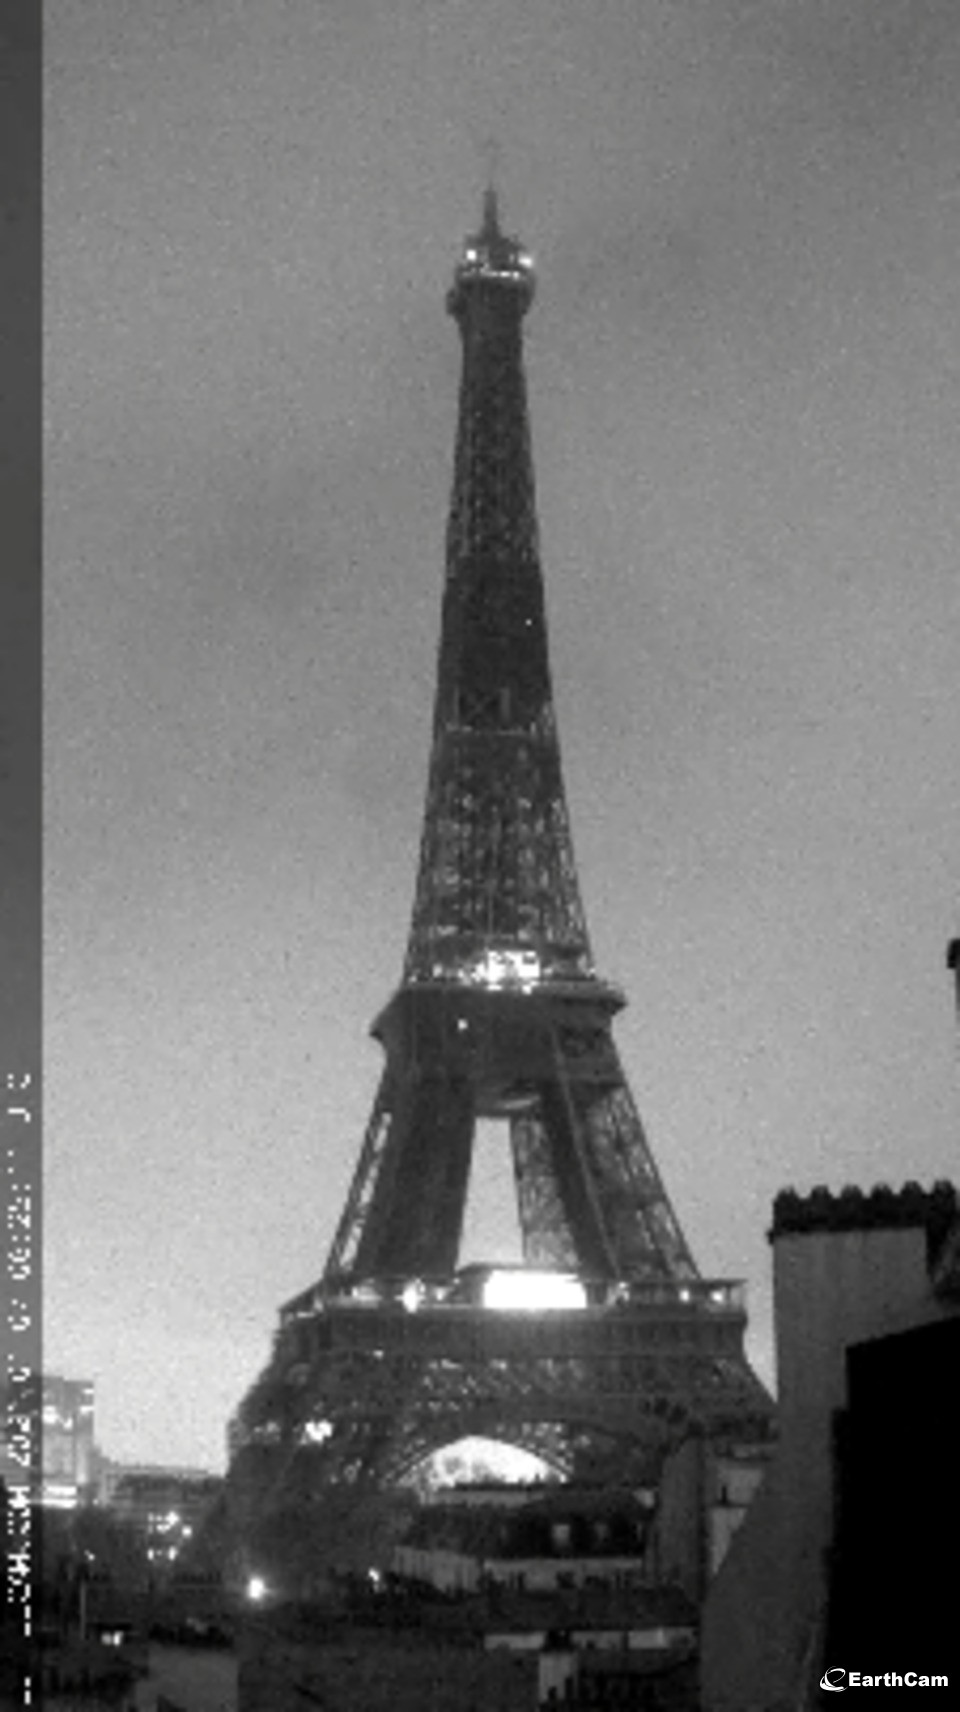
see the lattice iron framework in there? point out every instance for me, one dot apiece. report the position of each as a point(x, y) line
point(500, 1014)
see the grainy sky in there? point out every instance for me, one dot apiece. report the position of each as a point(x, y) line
point(744, 369)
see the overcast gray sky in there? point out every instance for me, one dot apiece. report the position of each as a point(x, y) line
point(744, 366)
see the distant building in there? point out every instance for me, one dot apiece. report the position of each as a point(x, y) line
point(166, 1506)
point(68, 1454)
point(68, 1445)
point(561, 1539)
point(68, 1458)
point(111, 1475)
point(866, 1301)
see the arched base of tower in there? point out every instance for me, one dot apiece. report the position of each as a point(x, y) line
point(363, 1393)
point(335, 1442)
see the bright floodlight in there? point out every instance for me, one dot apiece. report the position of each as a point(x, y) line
point(256, 1588)
point(508, 968)
point(317, 1432)
point(533, 1291)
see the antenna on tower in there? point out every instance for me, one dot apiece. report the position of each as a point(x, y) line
point(491, 158)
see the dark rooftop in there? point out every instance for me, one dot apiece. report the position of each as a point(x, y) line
point(882, 1208)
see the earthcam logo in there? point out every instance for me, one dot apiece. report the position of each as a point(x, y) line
point(837, 1680)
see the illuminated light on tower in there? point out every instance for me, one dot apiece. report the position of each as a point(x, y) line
point(532, 1292)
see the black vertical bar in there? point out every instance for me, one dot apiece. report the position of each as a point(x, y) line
point(20, 799)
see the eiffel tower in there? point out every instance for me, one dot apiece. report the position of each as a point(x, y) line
point(605, 1341)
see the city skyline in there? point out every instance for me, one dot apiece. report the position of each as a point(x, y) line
point(739, 367)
